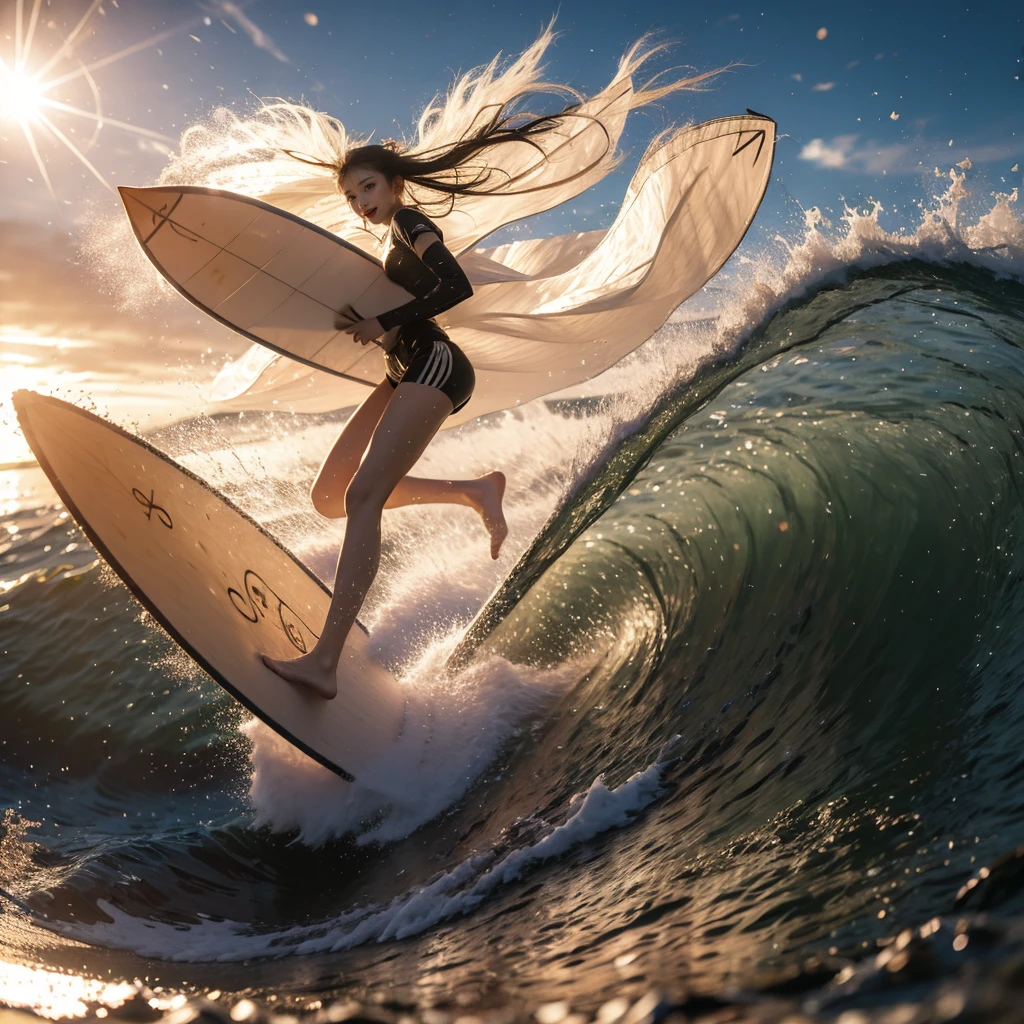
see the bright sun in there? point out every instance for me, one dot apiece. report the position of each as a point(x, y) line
point(20, 95)
point(29, 86)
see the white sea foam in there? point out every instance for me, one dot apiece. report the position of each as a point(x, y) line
point(454, 727)
point(823, 254)
point(451, 894)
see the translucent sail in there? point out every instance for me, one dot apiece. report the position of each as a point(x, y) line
point(550, 313)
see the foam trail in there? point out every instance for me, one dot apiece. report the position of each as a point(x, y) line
point(600, 810)
point(451, 894)
point(454, 728)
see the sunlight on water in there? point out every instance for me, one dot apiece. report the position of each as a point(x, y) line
point(56, 995)
point(66, 367)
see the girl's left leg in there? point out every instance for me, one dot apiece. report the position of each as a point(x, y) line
point(484, 495)
point(414, 414)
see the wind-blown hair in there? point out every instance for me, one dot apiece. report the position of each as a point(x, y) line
point(434, 177)
point(448, 170)
point(471, 146)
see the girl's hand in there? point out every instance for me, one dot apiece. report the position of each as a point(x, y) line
point(363, 331)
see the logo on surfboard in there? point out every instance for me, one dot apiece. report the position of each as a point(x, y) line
point(150, 506)
point(260, 602)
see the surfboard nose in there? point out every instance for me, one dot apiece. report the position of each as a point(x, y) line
point(22, 400)
point(149, 197)
point(140, 213)
point(29, 407)
point(145, 206)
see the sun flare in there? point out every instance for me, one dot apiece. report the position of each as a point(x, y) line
point(20, 95)
point(29, 87)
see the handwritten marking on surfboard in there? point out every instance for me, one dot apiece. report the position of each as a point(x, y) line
point(160, 218)
point(256, 604)
point(181, 572)
point(150, 506)
point(757, 136)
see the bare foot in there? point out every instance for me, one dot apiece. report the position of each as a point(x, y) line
point(492, 491)
point(307, 672)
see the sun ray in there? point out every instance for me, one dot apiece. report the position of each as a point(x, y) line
point(66, 46)
point(67, 109)
point(74, 149)
point(30, 138)
point(18, 14)
point(26, 46)
point(126, 52)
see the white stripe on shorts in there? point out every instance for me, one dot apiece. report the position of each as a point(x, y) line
point(445, 370)
point(439, 367)
point(430, 366)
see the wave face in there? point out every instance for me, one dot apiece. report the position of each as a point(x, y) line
point(755, 694)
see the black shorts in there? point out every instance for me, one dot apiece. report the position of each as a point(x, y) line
point(440, 364)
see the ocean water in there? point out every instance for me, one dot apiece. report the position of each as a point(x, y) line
point(747, 712)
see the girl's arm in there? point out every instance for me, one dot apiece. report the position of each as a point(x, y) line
point(452, 285)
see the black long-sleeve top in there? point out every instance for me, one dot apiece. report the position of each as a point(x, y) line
point(435, 278)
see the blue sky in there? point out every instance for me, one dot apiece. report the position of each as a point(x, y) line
point(833, 81)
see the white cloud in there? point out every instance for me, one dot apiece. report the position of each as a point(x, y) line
point(823, 86)
point(871, 157)
point(829, 154)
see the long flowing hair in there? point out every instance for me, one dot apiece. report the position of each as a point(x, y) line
point(478, 141)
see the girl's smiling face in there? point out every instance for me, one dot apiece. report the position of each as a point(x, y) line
point(370, 195)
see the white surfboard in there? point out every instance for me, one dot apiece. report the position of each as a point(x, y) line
point(266, 273)
point(220, 585)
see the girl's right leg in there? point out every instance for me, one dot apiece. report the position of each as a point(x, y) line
point(484, 494)
point(411, 419)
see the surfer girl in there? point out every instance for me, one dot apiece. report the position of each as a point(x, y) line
point(523, 320)
point(427, 378)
